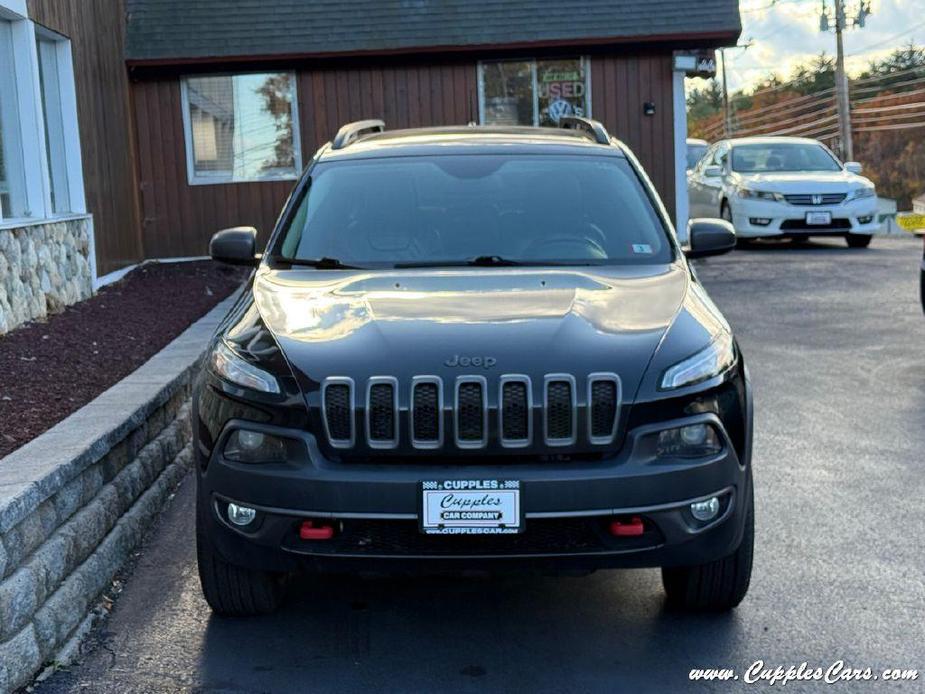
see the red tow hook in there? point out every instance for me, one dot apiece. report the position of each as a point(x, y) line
point(631, 528)
point(309, 531)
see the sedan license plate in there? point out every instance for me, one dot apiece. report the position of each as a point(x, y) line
point(470, 507)
point(818, 218)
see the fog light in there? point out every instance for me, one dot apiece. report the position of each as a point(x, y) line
point(865, 220)
point(759, 221)
point(241, 515)
point(705, 510)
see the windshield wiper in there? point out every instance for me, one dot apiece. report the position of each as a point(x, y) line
point(324, 263)
point(488, 261)
point(477, 261)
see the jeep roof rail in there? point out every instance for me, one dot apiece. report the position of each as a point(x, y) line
point(351, 132)
point(592, 127)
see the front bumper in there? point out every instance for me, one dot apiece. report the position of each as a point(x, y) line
point(853, 217)
point(568, 508)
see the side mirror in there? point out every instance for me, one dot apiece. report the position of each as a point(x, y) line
point(235, 246)
point(853, 167)
point(713, 171)
point(709, 237)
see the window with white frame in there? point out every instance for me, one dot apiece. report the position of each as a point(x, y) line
point(53, 119)
point(13, 202)
point(241, 127)
point(533, 92)
point(40, 167)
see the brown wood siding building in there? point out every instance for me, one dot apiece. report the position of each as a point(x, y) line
point(97, 32)
point(178, 218)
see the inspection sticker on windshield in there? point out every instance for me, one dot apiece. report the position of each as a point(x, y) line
point(470, 507)
point(642, 248)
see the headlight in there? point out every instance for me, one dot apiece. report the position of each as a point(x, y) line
point(233, 368)
point(748, 193)
point(861, 193)
point(246, 446)
point(692, 441)
point(707, 363)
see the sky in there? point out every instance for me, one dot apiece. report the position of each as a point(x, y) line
point(785, 33)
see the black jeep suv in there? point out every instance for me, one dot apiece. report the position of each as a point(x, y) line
point(473, 348)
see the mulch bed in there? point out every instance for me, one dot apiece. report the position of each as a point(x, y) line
point(50, 369)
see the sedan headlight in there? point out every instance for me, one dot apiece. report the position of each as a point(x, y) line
point(861, 193)
point(748, 193)
point(233, 368)
point(718, 356)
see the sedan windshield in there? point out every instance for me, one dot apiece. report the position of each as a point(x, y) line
point(475, 209)
point(784, 156)
point(695, 153)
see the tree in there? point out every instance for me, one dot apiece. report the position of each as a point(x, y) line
point(277, 95)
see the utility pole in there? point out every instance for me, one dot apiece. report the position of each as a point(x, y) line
point(727, 117)
point(841, 85)
point(859, 16)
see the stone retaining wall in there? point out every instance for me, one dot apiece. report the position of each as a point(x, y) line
point(43, 268)
point(75, 502)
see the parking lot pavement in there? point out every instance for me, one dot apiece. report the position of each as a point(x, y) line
point(835, 341)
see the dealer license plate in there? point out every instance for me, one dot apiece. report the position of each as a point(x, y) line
point(470, 507)
point(818, 218)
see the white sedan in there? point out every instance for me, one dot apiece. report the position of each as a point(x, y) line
point(783, 186)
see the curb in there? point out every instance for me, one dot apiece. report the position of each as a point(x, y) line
point(75, 501)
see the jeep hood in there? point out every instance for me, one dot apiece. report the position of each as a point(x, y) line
point(420, 322)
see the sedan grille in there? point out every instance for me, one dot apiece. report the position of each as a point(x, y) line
point(816, 199)
point(481, 413)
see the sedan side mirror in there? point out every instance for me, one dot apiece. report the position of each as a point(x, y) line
point(713, 171)
point(853, 167)
point(710, 237)
point(235, 246)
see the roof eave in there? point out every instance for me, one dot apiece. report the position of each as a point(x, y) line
point(707, 39)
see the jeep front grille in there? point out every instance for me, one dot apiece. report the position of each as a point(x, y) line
point(560, 410)
point(471, 412)
point(427, 412)
point(382, 412)
point(516, 411)
point(477, 411)
point(337, 402)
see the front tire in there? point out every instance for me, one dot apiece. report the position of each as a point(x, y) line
point(230, 590)
point(858, 240)
point(717, 586)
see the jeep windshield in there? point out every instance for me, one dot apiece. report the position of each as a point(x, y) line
point(474, 209)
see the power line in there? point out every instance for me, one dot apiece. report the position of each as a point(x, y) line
point(886, 40)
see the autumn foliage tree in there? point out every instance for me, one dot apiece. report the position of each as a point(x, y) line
point(888, 115)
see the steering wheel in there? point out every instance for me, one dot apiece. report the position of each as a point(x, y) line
point(558, 247)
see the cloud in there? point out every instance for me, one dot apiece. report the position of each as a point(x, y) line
point(784, 34)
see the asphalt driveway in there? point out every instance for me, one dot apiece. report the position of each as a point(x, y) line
point(835, 340)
